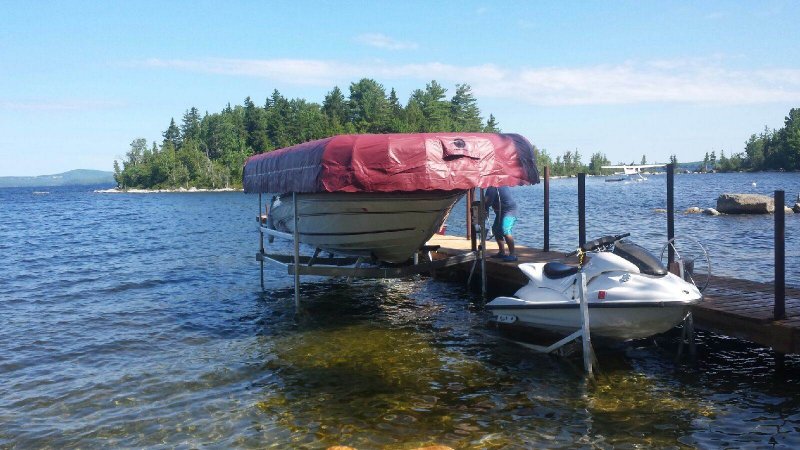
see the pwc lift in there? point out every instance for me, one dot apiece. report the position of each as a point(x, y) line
point(352, 266)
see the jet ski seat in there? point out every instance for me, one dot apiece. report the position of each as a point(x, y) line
point(556, 270)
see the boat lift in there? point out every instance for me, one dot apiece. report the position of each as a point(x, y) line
point(340, 266)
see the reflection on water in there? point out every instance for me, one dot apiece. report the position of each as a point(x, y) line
point(126, 325)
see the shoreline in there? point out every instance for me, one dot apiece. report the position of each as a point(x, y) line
point(162, 191)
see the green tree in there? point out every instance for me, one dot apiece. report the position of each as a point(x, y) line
point(464, 112)
point(172, 134)
point(190, 128)
point(255, 122)
point(596, 162)
point(335, 106)
point(491, 125)
point(644, 160)
point(368, 106)
point(791, 140)
point(543, 159)
point(435, 108)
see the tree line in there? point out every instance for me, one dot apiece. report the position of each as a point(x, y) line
point(209, 151)
point(769, 150)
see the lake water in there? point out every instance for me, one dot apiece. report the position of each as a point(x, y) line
point(137, 320)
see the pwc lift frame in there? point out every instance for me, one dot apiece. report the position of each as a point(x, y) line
point(583, 333)
point(335, 266)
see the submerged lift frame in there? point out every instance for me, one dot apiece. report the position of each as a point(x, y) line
point(338, 266)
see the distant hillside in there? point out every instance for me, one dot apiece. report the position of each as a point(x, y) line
point(71, 178)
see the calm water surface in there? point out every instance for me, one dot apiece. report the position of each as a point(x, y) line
point(138, 321)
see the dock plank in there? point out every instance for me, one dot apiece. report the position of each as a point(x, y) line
point(731, 306)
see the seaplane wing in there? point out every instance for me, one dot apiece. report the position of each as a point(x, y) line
point(633, 169)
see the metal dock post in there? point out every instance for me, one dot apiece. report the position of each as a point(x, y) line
point(296, 254)
point(546, 245)
point(581, 209)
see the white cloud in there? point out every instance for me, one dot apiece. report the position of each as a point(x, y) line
point(689, 81)
point(58, 105)
point(380, 40)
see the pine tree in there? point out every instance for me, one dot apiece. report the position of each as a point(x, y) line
point(435, 108)
point(172, 135)
point(464, 112)
point(491, 125)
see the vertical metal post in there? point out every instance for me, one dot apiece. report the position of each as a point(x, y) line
point(581, 208)
point(470, 195)
point(482, 215)
point(670, 212)
point(546, 246)
point(296, 253)
point(779, 311)
point(586, 337)
point(261, 241)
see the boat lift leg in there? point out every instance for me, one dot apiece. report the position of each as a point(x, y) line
point(296, 254)
point(472, 271)
point(687, 337)
point(589, 360)
point(261, 241)
point(586, 338)
point(482, 215)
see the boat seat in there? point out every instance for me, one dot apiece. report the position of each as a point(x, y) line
point(556, 270)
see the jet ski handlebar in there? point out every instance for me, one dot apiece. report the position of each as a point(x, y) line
point(599, 243)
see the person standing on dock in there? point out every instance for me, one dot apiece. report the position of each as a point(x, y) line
point(505, 216)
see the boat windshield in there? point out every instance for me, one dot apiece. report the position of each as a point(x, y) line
point(646, 262)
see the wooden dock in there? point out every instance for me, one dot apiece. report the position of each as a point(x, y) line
point(733, 307)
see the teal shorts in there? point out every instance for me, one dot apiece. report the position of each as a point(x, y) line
point(505, 228)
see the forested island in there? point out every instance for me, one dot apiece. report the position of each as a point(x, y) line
point(208, 151)
point(770, 150)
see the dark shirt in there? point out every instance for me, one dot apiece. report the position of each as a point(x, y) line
point(501, 201)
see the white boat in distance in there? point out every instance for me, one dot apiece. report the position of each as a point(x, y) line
point(630, 173)
point(630, 295)
point(384, 226)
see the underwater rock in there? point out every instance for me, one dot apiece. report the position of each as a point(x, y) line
point(711, 212)
point(693, 210)
point(796, 207)
point(745, 204)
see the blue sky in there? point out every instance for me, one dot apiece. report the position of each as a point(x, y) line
point(80, 80)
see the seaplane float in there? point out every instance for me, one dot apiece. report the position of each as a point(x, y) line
point(629, 173)
point(629, 293)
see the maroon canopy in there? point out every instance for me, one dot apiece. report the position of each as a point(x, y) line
point(394, 162)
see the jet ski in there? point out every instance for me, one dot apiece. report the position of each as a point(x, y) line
point(629, 293)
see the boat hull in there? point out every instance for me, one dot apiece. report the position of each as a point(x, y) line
point(386, 226)
point(619, 321)
point(613, 321)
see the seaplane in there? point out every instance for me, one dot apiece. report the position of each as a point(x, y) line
point(630, 173)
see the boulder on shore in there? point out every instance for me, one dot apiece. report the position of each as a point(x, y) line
point(796, 207)
point(745, 204)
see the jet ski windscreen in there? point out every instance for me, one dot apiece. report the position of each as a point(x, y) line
point(647, 263)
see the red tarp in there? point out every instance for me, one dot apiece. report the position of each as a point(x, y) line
point(394, 162)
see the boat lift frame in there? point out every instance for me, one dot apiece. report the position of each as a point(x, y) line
point(335, 266)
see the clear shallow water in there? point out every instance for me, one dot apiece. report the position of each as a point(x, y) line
point(138, 321)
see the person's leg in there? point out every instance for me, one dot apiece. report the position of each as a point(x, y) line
point(508, 229)
point(497, 230)
point(510, 241)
